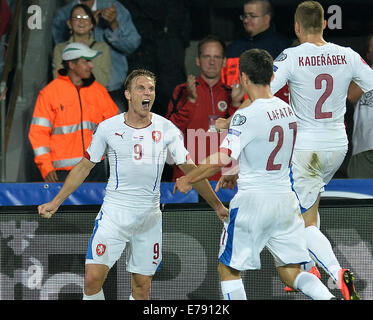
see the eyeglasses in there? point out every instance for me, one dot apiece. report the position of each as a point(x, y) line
point(80, 17)
point(248, 16)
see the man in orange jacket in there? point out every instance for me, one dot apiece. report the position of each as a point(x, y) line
point(66, 114)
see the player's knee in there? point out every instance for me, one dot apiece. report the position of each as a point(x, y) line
point(141, 291)
point(227, 273)
point(93, 282)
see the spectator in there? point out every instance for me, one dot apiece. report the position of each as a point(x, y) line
point(81, 24)
point(198, 102)
point(260, 33)
point(115, 27)
point(66, 113)
point(360, 165)
point(165, 35)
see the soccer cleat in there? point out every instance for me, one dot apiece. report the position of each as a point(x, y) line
point(346, 285)
point(313, 270)
point(289, 289)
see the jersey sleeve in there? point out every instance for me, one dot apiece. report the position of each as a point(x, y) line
point(97, 148)
point(362, 72)
point(175, 145)
point(240, 133)
point(281, 69)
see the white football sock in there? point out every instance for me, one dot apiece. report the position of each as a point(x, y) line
point(97, 296)
point(311, 286)
point(321, 251)
point(233, 290)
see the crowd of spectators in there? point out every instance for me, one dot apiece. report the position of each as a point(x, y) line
point(133, 34)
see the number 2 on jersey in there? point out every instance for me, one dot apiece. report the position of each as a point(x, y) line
point(328, 91)
point(271, 166)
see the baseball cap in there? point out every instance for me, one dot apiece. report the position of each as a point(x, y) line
point(76, 50)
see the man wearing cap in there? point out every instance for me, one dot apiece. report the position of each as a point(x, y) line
point(66, 114)
point(116, 28)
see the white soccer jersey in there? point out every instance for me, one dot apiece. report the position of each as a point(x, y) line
point(136, 158)
point(318, 79)
point(262, 137)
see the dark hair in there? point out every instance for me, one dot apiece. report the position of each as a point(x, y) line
point(257, 64)
point(138, 73)
point(87, 10)
point(65, 63)
point(265, 4)
point(207, 39)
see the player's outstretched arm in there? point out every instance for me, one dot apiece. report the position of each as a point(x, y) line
point(196, 177)
point(211, 165)
point(222, 123)
point(354, 93)
point(229, 178)
point(74, 179)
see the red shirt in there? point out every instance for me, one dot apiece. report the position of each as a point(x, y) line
point(194, 119)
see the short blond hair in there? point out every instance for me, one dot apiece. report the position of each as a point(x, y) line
point(310, 15)
point(138, 73)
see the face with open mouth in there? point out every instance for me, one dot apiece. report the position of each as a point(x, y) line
point(146, 104)
point(141, 95)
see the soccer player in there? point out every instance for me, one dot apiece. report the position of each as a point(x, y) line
point(319, 74)
point(265, 211)
point(137, 143)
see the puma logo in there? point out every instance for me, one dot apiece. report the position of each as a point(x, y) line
point(120, 135)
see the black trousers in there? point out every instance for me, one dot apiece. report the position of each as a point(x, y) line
point(99, 173)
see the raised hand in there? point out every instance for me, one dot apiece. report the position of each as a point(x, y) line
point(222, 123)
point(237, 94)
point(191, 87)
point(110, 14)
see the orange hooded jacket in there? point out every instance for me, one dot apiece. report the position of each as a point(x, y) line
point(64, 119)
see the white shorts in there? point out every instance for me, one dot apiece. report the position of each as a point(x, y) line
point(311, 171)
point(140, 230)
point(258, 220)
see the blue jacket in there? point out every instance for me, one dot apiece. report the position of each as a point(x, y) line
point(270, 40)
point(122, 41)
